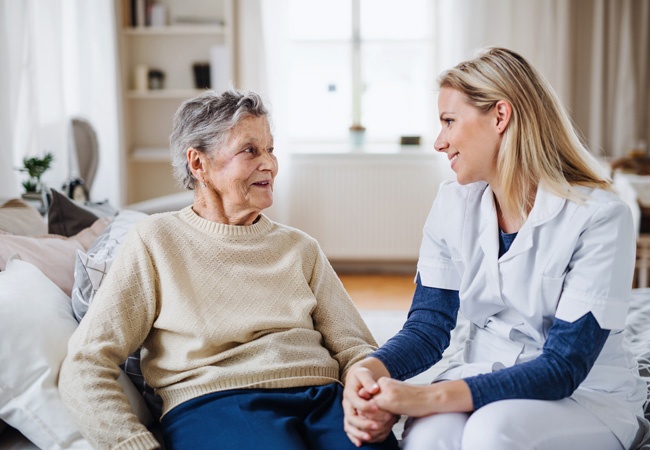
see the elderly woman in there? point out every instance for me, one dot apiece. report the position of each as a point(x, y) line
point(245, 328)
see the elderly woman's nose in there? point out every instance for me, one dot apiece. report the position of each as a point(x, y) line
point(268, 160)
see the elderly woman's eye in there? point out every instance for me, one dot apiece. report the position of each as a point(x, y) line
point(250, 150)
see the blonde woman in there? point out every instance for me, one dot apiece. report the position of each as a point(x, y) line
point(537, 251)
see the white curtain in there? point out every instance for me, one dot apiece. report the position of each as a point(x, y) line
point(58, 60)
point(595, 53)
point(611, 87)
point(538, 29)
point(261, 59)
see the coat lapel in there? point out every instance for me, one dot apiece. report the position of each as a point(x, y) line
point(547, 206)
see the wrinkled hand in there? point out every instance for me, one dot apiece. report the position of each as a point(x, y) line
point(364, 420)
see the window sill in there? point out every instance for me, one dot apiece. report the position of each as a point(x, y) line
point(337, 148)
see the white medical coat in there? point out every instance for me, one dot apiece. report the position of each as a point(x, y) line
point(567, 259)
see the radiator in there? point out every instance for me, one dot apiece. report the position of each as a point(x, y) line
point(365, 207)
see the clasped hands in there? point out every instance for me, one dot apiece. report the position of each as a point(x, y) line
point(373, 402)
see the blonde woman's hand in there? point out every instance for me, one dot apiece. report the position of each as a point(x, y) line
point(399, 397)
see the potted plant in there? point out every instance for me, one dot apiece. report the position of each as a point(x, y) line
point(35, 168)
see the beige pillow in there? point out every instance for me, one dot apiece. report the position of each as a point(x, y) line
point(20, 218)
point(54, 255)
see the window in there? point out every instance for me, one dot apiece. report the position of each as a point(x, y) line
point(360, 62)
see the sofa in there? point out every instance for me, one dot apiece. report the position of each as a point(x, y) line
point(50, 268)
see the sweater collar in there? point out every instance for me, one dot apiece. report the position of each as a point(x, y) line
point(262, 226)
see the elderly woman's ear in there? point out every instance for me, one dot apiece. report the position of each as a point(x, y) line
point(195, 163)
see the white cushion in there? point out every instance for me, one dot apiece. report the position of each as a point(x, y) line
point(35, 325)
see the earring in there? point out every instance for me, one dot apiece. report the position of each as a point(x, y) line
point(203, 183)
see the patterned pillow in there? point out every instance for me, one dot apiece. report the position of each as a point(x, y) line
point(91, 267)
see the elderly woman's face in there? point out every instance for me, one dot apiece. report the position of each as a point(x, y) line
point(242, 170)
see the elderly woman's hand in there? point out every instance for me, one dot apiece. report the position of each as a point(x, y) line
point(364, 420)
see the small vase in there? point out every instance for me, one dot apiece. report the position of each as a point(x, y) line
point(357, 136)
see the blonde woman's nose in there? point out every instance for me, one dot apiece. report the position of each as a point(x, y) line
point(441, 143)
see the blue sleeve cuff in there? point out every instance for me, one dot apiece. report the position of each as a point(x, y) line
point(569, 353)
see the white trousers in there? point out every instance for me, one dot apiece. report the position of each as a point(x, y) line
point(513, 425)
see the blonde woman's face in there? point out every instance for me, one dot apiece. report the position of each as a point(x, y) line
point(469, 137)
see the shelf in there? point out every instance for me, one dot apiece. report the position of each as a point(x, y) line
point(193, 31)
point(176, 30)
point(150, 154)
point(163, 94)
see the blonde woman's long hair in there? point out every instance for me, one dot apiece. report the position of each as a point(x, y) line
point(540, 143)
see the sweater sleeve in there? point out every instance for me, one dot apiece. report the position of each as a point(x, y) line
point(425, 335)
point(116, 324)
point(345, 334)
point(568, 355)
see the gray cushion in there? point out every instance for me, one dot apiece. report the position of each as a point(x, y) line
point(66, 217)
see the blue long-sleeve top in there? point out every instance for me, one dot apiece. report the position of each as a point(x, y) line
point(568, 354)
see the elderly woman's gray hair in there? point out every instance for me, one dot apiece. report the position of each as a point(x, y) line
point(203, 123)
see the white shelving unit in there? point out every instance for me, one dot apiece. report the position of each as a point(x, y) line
point(173, 48)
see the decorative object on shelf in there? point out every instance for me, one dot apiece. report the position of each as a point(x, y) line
point(220, 68)
point(35, 191)
point(357, 135)
point(201, 75)
point(141, 78)
point(409, 140)
point(35, 168)
point(76, 189)
point(156, 79)
point(158, 15)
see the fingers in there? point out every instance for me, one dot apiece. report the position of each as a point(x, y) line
point(364, 422)
point(356, 392)
point(362, 430)
point(355, 425)
point(367, 380)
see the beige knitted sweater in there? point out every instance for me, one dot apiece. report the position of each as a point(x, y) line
point(215, 307)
